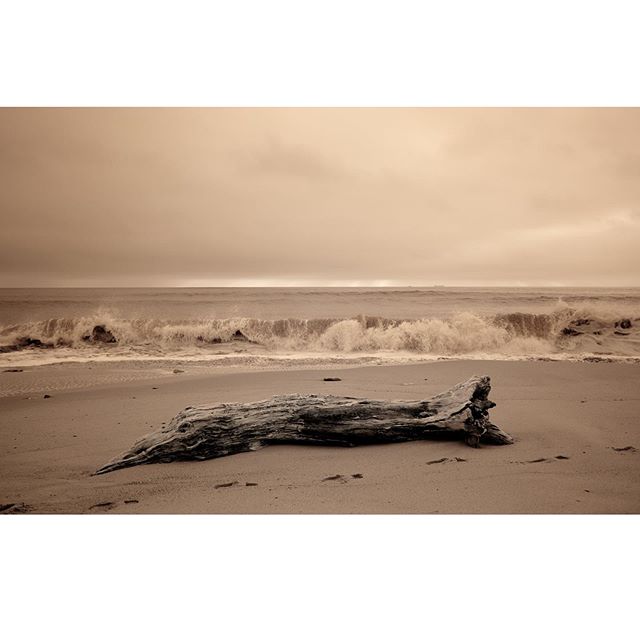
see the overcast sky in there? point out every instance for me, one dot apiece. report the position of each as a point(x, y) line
point(319, 196)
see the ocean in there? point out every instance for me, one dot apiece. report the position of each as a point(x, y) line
point(296, 326)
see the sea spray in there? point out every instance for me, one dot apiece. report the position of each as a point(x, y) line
point(584, 330)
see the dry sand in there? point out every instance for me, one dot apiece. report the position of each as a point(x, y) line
point(50, 447)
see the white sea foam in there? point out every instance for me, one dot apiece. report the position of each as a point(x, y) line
point(576, 332)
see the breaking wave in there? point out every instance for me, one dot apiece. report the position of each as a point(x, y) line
point(579, 332)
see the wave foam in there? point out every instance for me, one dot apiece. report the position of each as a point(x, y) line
point(565, 330)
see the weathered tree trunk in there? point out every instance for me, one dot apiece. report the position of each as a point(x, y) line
point(200, 433)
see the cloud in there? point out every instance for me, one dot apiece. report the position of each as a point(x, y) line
point(614, 221)
point(324, 195)
point(291, 162)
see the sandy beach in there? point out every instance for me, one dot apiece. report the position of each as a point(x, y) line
point(582, 412)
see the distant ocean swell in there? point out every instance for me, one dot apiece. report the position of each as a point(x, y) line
point(565, 330)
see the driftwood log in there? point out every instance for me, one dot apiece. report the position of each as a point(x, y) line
point(200, 433)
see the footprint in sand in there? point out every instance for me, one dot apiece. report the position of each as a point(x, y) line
point(441, 460)
point(225, 484)
point(14, 507)
point(343, 479)
point(560, 457)
point(103, 505)
point(336, 477)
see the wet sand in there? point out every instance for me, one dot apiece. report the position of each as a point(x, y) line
point(568, 418)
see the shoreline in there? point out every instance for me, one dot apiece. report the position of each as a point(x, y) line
point(50, 447)
point(67, 375)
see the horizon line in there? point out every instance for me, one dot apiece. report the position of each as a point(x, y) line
point(326, 286)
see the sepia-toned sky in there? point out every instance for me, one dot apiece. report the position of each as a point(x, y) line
point(198, 197)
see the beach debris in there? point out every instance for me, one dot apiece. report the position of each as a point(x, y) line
point(332, 379)
point(131, 501)
point(628, 448)
point(624, 324)
point(357, 475)
point(46, 395)
point(336, 477)
point(178, 371)
point(215, 430)
point(250, 484)
point(562, 457)
point(13, 370)
point(14, 507)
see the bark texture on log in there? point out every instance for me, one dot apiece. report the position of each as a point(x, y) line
point(200, 433)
